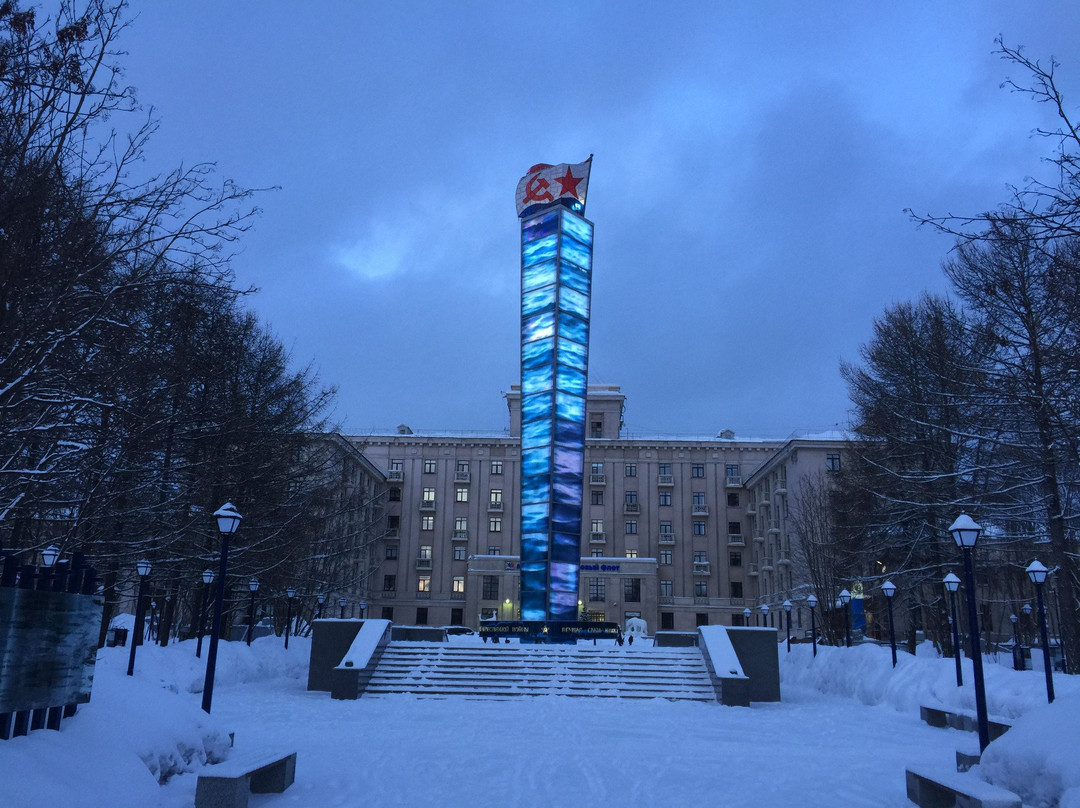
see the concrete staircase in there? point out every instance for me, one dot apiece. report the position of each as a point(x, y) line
point(443, 670)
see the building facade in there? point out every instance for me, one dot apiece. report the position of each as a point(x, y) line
point(678, 531)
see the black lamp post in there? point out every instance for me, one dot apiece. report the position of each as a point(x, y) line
point(811, 601)
point(1018, 651)
point(49, 555)
point(965, 532)
point(1027, 613)
point(207, 579)
point(765, 614)
point(363, 609)
point(845, 600)
point(746, 616)
point(787, 609)
point(290, 593)
point(253, 585)
point(952, 583)
point(228, 519)
point(343, 602)
point(1037, 572)
point(143, 568)
point(889, 589)
point(321, 598)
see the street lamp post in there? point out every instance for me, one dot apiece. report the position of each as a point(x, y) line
point(965, 532)
point(342, 602)
point(889, 588)
point(1018, 651)
point(207, 579)
point(253, 585)
point(290, 593)
point(787, 609)
point(765, 614)
point(845, 600)
point(143, 568)
point(228, 519)
point(321, 598)
point(952, 583)
point(1037, 572)
point(746, 616)
point(363, 609)
point(811, 601)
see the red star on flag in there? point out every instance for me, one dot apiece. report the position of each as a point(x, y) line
point(568, 183)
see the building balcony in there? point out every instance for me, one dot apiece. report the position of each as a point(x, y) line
point(767, 564)
point(667, 538)
point(395, 476)
point(781, 487)
point(462, 477)
point(666, 599)
point(752, 569)
point(427, 504)
point(784, 561)
point(597, 479)
point(423, 595)
point(631, 508)
point(391, 533)
point(423, 563)
point(460, 535)
point(735, 540)
point(665, 480)
point(700, 510)
point(597, 537)
point(759, 539)
point(702, 568)
point(388, 594)
point(457, 596)
point(774, 525)
point(701, 601)
point(751, 508)
point(496, 507)
point(733, 481)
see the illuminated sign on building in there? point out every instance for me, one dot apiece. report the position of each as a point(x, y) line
point(556, 278)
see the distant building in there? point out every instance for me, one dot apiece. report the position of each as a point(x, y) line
point(682, 531)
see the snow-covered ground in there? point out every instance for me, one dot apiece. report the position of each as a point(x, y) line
point(847, 728)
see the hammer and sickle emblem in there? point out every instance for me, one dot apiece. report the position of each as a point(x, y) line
point(536, 190)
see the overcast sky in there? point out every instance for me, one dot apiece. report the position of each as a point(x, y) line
point(753, 161)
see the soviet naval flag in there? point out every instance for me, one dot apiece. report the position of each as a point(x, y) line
point(546, 185)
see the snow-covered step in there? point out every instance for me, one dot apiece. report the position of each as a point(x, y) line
point(442, 670)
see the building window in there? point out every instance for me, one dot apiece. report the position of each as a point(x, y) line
point(832, 462)
point(596, 590)
point(665, 528)
point(631, 526)
point(631, 553)
point(734, 528)
point(732, 470)
point(463, 466)
point(425, 552)
point(394, 495)
point(596, 429)
point(495, 497)
point(701, 619)
point(667, 621)
point(490, 587)
point(733, 500)
point(496, 466)
point(458, 584)
point(494, 549)
point(423, 583)
point(701, 557)
point(631, 497)
point(699, 528)
point(665, 497)
point(461, 494)
point(701, 589)
point(665, 469)
point(597, 552)
point(736, 589)
point(389, 583)
point(461, 523)
point(495, 524)
point(630, 470)
point(427, 522)
point(666, 589)
point(598, 496)
point(734, 559)
point(697, 470)
point(429, 495)
point(597, 525)
point(699, 497)
point(388, 613)
point(421, 615)
point(459, 552)
point(631, 590)
point(395, 465)
point(597, 468)
point(429, 467)
point(665, 558)
point(391, 552)
point(393, 522)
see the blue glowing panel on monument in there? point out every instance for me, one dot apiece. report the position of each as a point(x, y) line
point(556, 260)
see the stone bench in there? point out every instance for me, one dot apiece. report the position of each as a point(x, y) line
point(939, 717)
point(228, 784)
point(945, 789)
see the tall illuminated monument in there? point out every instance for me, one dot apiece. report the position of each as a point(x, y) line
point(556, 281)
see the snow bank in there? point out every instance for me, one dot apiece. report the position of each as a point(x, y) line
point(1035, 759)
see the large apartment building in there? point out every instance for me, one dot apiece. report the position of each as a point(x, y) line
point(680, 531)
